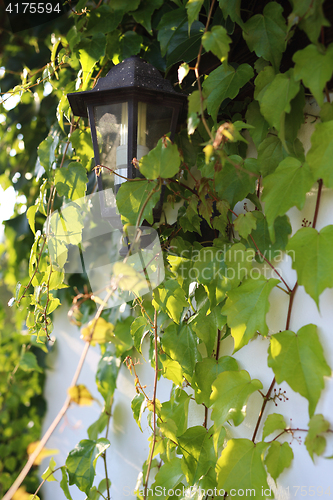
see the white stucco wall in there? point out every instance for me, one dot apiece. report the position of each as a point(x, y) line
point(129, 446)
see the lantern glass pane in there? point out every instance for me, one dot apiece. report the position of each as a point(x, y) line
point(157, 123)
point(112, 131)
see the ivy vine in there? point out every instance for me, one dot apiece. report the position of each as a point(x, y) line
point(213, 288)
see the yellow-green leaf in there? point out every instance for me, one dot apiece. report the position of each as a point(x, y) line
point(241, 468)
point(314, 442)
point(231, 390)
point(99, 331)
point(80, 395)
point(311, 253)
point(246, 308)
point(278, 458)
point(298, 359)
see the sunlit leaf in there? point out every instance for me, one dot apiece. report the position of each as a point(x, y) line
point(241, 468)
point(71, 181)
point(99, 331)
point(284, 188)
point(273, 422)
point(80, 395)
point(299, 360)
point(224, 82)
point(278, 458)
point(81, 462)
point(217, 41)
point(231, 390)
point(162, 161)
point(45, 452)
point(310, 251)
point(265, 34)
point(246, 308)
point(48, 473)
point(196, 446)
point(314, 442)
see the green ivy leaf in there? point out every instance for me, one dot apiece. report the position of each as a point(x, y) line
point(282, 229)
point(196, 446)
point(162, 161)
point(239, 264)
point(168, 25)
point(81, 462)
point(241, 468)
point(206, 372)
point(278, 458)
point(46, 151)
point(181, 345)
point(299, 360)
point(224, 82)
point(217, 41)
point(28, 363)
point(206, 327)
point(293, 122)
point(31, 214)
point(285, 188)
point(184, 48)
point(82, 143)
point(170, 297)
point(174, 414)
point(168, 477)
point(125, 5)
point(131, 197)
point(246, 308)
point(97, 427)
point(265, 34)
point(236, 180)
point(326, 112)
point(314, 442)
point(71, 181)
point(275, 100)
point(320, 155)
point(90, 52)
point(310, 17)
point(273, 422)
point(106, 375)
point(193, 8)
point(64, 483)
point(122, 335)
point(231, 8)
point(143, 15)
point(48, 473)
point(103, 19)
point(270, 154)
point(245, 223)
point(138, 328)
point(172, 371)
point(130, 43)
point(314, 68)
point(258, 122)
point(231, 390)
point(310, 251)
point(138, 405)
point(66, 225)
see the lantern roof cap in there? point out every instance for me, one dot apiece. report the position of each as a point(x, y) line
point(133, 73)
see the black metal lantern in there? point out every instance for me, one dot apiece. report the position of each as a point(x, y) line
point(129, 110)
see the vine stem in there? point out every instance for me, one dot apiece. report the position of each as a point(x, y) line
point(271, 265)
point(290, 306)
point(17, 483)
point(153, 191)
point(154, 406)
point(266, 260)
